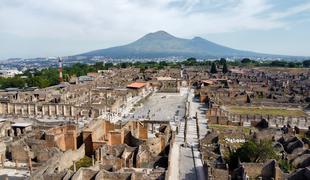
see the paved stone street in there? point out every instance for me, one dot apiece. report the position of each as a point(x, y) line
point(189, 164)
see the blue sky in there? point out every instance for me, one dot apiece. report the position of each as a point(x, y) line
point(36, 28)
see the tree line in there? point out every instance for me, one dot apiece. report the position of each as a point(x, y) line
point(49, 76)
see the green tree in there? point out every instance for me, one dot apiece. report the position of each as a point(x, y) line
point(292, 64)
point(108, 65)
point(222, 61)
point(252, 151)
point(306, 63)
point(213, 69)
point(124, 65)
point(225, 68)
point(191, 61)
point(246, 61)
point(98, 65)
point(278, 64)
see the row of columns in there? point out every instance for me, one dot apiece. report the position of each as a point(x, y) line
point(32, 109)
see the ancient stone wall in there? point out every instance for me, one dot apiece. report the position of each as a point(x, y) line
point(59, 163)
point(64, 137)
point(217, 115)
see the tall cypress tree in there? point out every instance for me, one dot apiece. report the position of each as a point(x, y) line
point(225, 68)
point(213, 68)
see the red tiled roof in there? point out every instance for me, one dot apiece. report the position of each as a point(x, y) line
point(136, 85)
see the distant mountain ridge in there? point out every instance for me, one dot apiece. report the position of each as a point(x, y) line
point(161, 44)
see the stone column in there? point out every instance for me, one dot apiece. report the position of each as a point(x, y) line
point(43, 110)
point(22, 109)
point(16, 164)
point(8, 108)
point(74, 166)
point(72, 111)
point(185, 131)
point(2, 160)
point(28, 109)
point(101, 157)
point(1, 109)
point(57, 109)
point(35, 109)
point(30, 164)
point(49, 110)
point(64, 110)
point(197, 127)
point(152, 128)
point(15, 109)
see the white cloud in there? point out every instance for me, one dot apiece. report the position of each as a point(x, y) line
point(119, 21)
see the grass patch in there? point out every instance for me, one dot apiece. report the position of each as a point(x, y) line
point(245, 130)
point(286, 166)
point(84, 162)
point(265, 111)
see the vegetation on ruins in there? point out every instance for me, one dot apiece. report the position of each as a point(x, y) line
point(285, 165)
point(272, 111)
point(252, 151)
point(84, 162)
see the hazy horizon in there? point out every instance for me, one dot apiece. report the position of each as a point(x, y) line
point(60, 28)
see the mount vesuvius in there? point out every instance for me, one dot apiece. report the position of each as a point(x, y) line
point(161, 44)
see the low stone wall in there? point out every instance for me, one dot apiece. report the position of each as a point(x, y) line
point(222, 117)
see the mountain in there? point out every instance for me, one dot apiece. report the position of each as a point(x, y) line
point(161, 44)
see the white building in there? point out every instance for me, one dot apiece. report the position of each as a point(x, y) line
point(6, 73)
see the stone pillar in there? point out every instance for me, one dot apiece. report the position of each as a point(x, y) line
point(28, 109)
point(7, 110)
point(30, 164)
point(15, 109)
point(57, 109)
point(35, 109)
point(197, 126)
point(152, 128)
point(43, 110)
point(185, 129)
point(2, 160)
point(16, 164)
point(74, 166)
point(22, 109)
point(72, 111)
point(64, 110)
point(97, 155)
point(101, 157)
point(49, 110)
